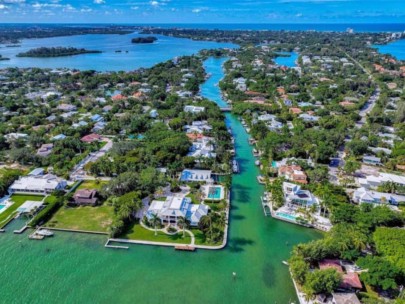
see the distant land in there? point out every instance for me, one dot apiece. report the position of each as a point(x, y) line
point(56, 52)
point(14, 34)
point(149, 39)
point(3, 58)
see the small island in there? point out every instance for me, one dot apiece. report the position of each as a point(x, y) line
point(3, 58)
point(56, 52)
point(149, 39)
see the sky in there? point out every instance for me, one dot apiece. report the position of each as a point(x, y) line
point(199, 11)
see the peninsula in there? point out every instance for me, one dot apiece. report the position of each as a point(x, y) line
point(56, 52)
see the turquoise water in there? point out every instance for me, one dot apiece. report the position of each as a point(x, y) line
point(139, 55)
point(396, 49)
point(215, 194)
point(287, 61)
point(76, 268)
point(286, 216)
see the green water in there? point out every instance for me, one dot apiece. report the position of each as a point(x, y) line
point(76, 268)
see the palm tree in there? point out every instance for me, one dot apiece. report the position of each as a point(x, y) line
point(155, 220)
point(206, 221)
point(182, 222)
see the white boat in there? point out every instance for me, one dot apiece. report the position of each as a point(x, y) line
point(45, 232)
point(235, 166)
point(285, 263)
point(257, 162)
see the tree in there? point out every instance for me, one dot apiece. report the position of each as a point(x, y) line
point(183, 223)
point(299, 269)
point(155, 221)
point(322, 281)
point(380, 272)
point(351, 166)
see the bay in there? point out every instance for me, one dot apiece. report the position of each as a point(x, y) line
point(131, 57)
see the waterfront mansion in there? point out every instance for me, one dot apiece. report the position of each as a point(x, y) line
point(174, 207)
point(294, 195)
point(36, 182)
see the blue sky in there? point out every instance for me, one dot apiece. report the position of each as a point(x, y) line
point(199, 11)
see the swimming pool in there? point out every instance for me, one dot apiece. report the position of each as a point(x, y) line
point(2, 206)
point(286, 216)
point(214, 193)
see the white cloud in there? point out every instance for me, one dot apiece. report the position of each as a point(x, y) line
point(154, 3)
point(2, 7)
point(196, 10)
point(99, 1)
point(134, 8)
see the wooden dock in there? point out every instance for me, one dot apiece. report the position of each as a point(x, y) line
point(107, 245)
point(185, 248)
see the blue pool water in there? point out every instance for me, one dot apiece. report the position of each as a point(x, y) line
point(286, 216)
point(214, 193)
point(2, 206)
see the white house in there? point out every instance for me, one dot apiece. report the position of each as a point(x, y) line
point(174, 207)
point(194, 109)
point(202, 147)
point(293, 194)
point(189, 175)
point(362, 195)
point(372, 181)
point(198, 127)
point(37, 184)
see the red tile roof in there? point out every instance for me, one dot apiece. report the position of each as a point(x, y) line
point(91, 138)
point(335, 264)
point(351, 280)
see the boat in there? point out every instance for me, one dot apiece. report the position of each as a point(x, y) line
point(44, 232)
point(285, 263)
point(261, 179)
point(235, 166)
point(257, 162)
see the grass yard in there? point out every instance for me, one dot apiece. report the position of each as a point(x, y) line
point(18, 201)
point(200, 238)
point(91, 184)
point(137, 232)
point(83, 218)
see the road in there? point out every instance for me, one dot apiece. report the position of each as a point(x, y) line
point(78, 171)
point(338, 161)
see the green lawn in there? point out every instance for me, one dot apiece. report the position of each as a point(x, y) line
point(137, 232)
point(18, 201)
point(200, 238)
point(91, 184)
point(193, 197)
point(83, 218)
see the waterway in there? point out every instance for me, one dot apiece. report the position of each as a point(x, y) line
point(288, 59)
point(396, 49)
point(131, 57)
point(76, 268)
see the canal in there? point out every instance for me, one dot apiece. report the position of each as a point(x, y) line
point(76, 268)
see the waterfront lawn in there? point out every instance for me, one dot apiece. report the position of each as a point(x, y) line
point(137, 232)
point(217, 206)
point(200, 238)
point(91, 184)
point(18, 201)
point(83, 218)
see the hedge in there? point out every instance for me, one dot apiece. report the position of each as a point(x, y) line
point(53, 204)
